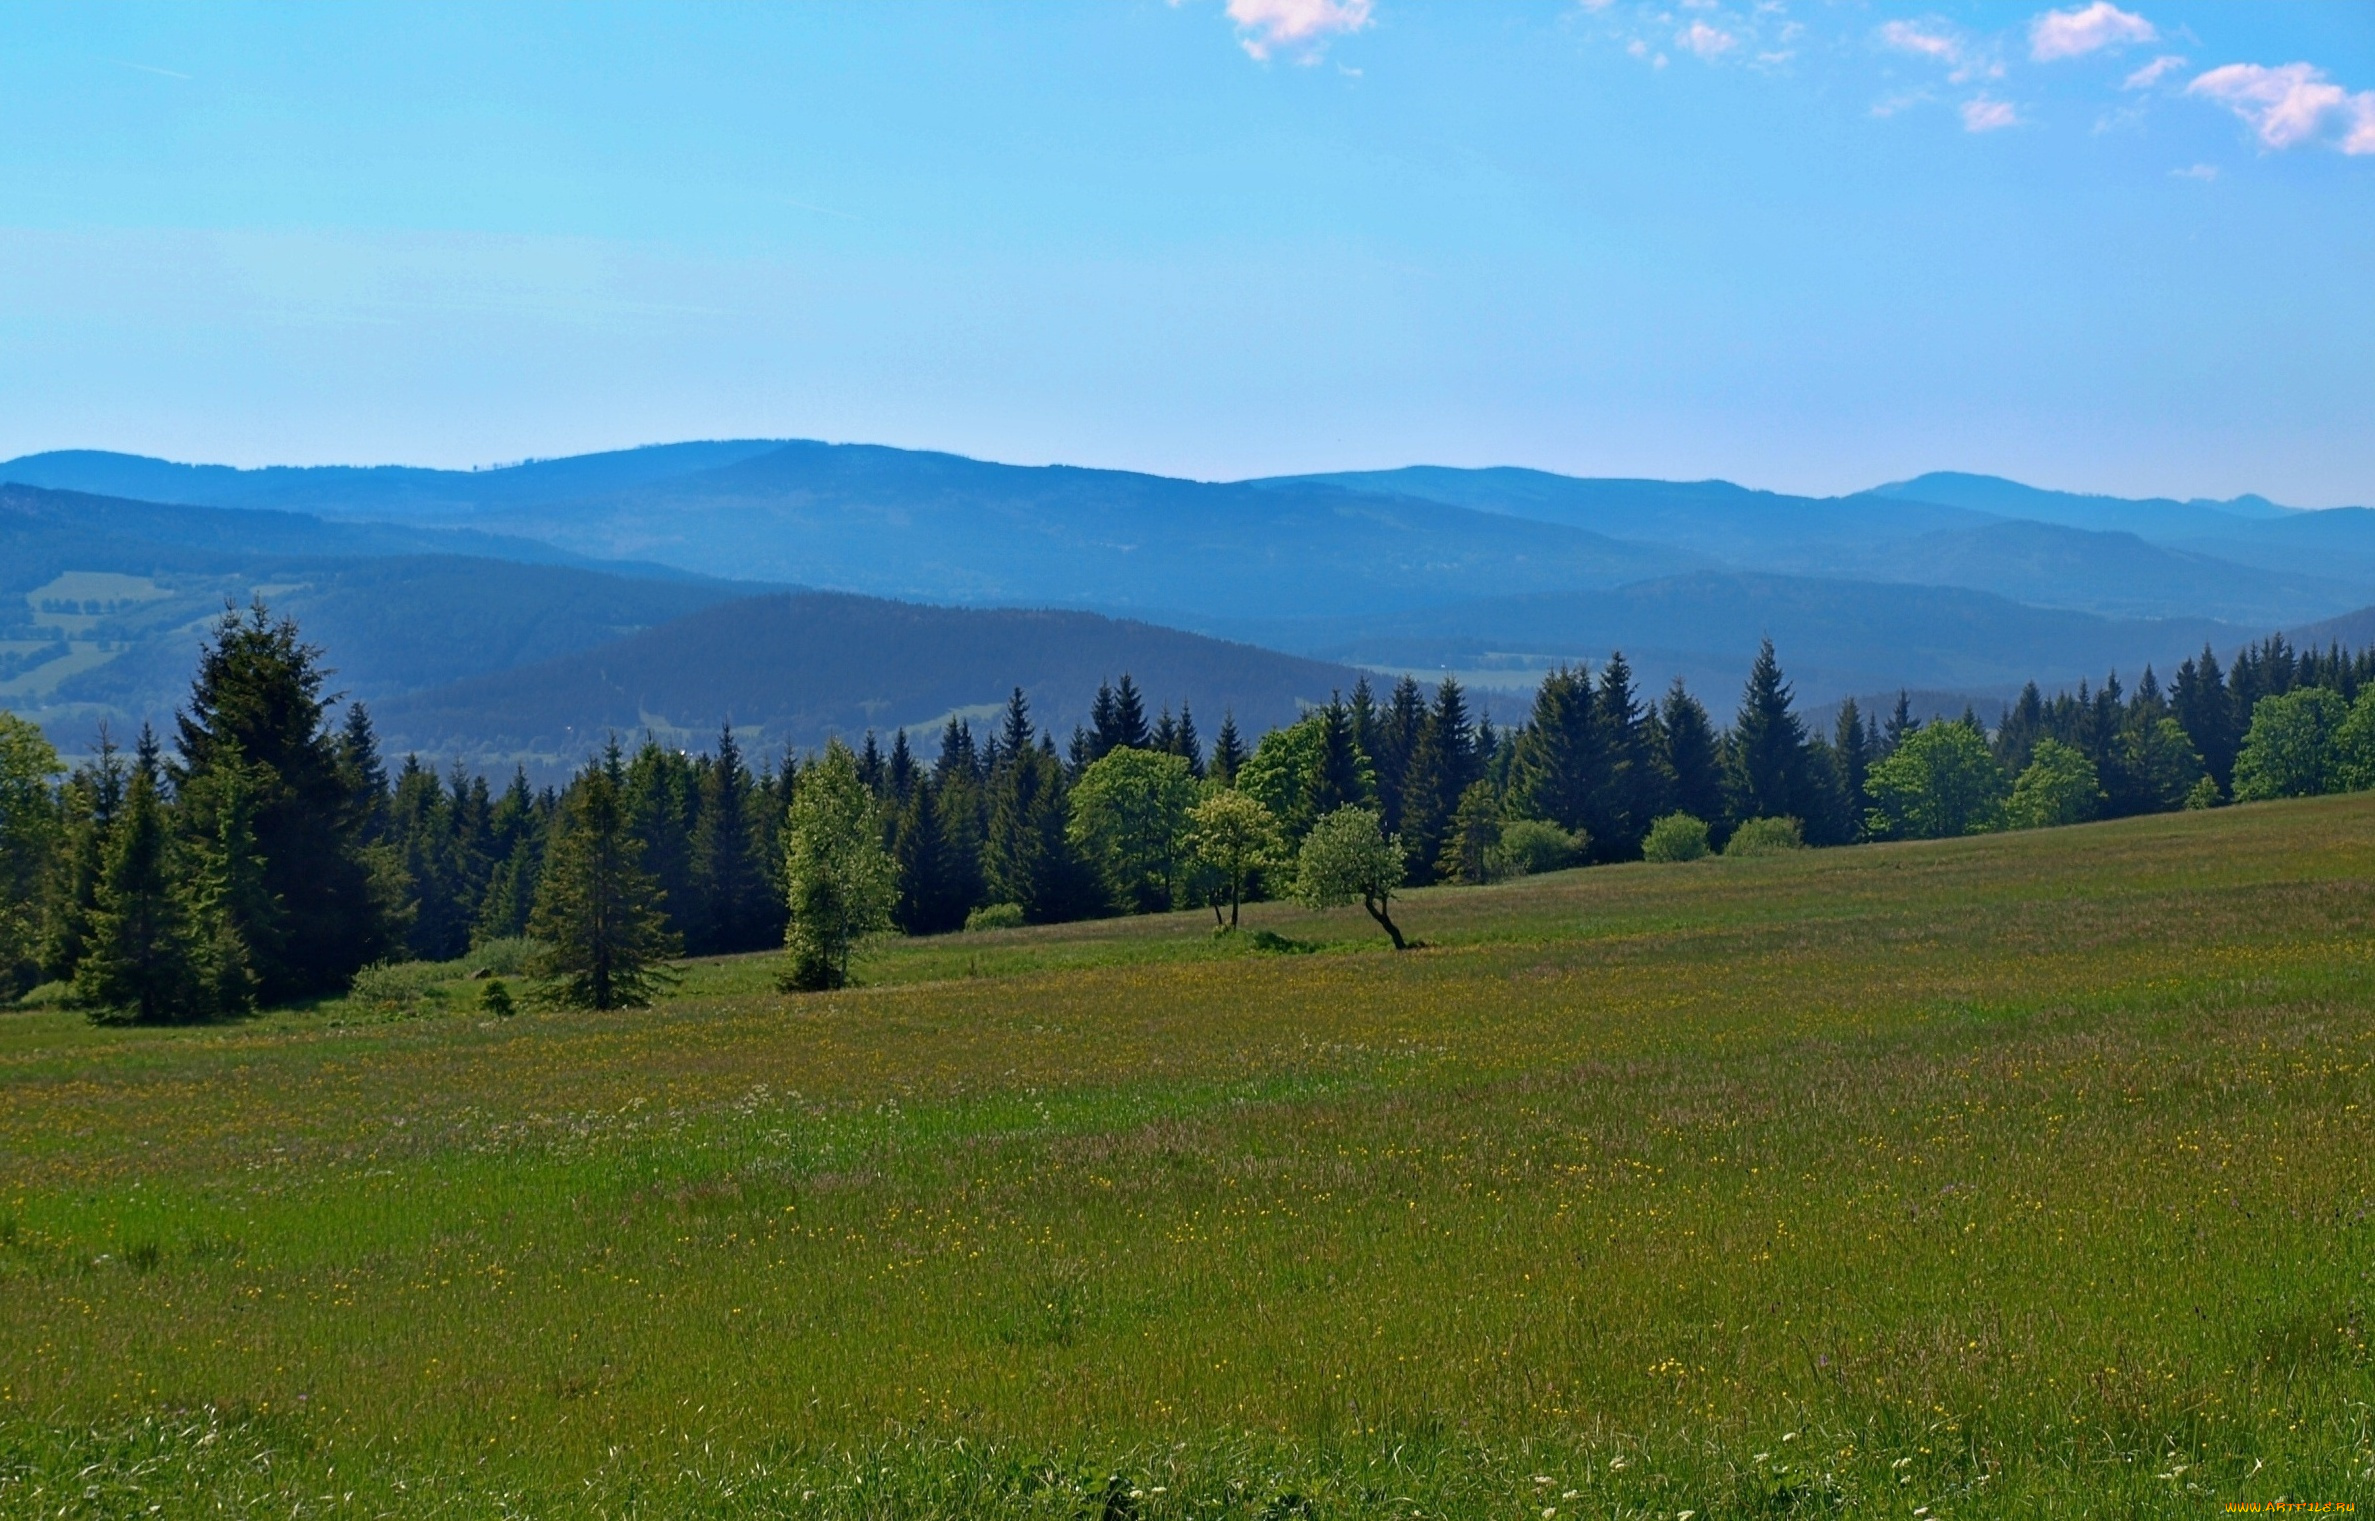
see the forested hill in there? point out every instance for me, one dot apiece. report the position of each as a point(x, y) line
point(794, 669)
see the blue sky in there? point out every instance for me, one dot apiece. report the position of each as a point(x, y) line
point(1808, 246)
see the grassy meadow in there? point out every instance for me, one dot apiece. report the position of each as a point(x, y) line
point(2021, 1175)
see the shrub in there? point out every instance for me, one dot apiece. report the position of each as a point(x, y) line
point(397, 984)
point(495, 998)
point(1677, 837)
point(994, 916)
point(508, 957)
point(2204, 794)
point(1537, 845)
point(1766, 837)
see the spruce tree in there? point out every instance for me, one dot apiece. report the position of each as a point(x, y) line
point(1028, 858)
point(729, 881)
point(1625, 790)
point(1337, 765)
point(1228, 751)
point(93, 803)
point(928, 900)
point(32, 832)
point(1555, 765)
point(515, 829)
point(661, 796)
point(1186, 745)
point(1129, 717)
point(2205, 709)
point(143, 961)
point(599, 914)
point(1398, 729)
point(1767, 776)
point(358, 746)
point(957, 756)
point(1851, 749)
point(257, 699)
point(900, 772)
point(1692, 757)
point(1442, 765)
point(1015, 737)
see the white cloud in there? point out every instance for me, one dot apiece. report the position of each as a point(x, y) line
point(2075, 33)
point(2197, 172)
point(1942, 46)
point(1909, 37)
point(1980, 114)
point(1706, 41)
point(2291, 104)
point(1266, 26)
point(2149, 75)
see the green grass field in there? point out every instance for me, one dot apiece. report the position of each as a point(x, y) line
point(2025, 1175)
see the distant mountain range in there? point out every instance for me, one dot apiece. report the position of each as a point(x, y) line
point(435, 591)
point(796, 668)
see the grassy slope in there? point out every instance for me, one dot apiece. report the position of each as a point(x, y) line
point(2023, 1175)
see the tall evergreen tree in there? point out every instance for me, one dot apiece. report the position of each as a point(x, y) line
point(900, 772)
point(1186, 745)
point(1442, 765)
point(2206, 710)
point(1555, 767)
point(1228, 751)
point(1851, 751)
point(358, 746)
point(516, 829)
point(143, 960)
point(93, 802)
point(1767, 774)
point(1398, 729)
point(599, 914)
point(1336, 763)
point(957, 757)
point(258, 700)
point(662, 797)
point(32, 830)
point(1027, 857)
point(1015, 737)
point(1901, 722)
point(1624, 790)
point(730, 890)
point(1129, 717)
point(929, 900)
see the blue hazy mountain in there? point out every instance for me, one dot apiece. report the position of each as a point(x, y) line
point(795, 669)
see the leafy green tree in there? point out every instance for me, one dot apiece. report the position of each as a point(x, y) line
point(32, 838)
point(257, 701)
point(1129, 817)
point(2354, 745)
point(1942, 780)
point(2289, 749)
point(2058, 787)
point(838, 880)
point(1237, 838)
point(598, 913)
point(1347, 858)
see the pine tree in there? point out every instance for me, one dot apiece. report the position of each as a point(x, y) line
point(928, 902)
point(599, 914)
point(1851, 749)
point(1089, 746)
point(1555, 765)
point(661, 796)
point(1186, 745)
point(900, 772)
point(1625, 790)
point(1228, 751)
point(257, 700)
point(729, 886)
point(358, 747)
point(1442, 765)
point(1691, 758)
point(871, 775)
point(1767, 776)
point(516, 829)
point(1398, 730)
point(1336, 779)
point(1901, 723)
point(1129, 717)
point(2205, 709)
point(1028, 858)
point(956, 754)
point(1015, 738)
point(143, 960)
point(94, 799)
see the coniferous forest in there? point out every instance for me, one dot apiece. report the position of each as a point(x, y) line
point(266, 853)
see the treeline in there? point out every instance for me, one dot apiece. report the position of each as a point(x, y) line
point(270, 856)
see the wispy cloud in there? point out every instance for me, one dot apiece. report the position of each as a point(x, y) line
point(2196, 172)
point(1982, 114)
point(1966, 59)
point(1707, 41)
point(1303, 27)
point(2152, 73)
point(2075, 33)
point(2291, 104)
point(149, 68)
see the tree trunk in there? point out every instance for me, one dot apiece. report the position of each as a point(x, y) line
point(1376, 908)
